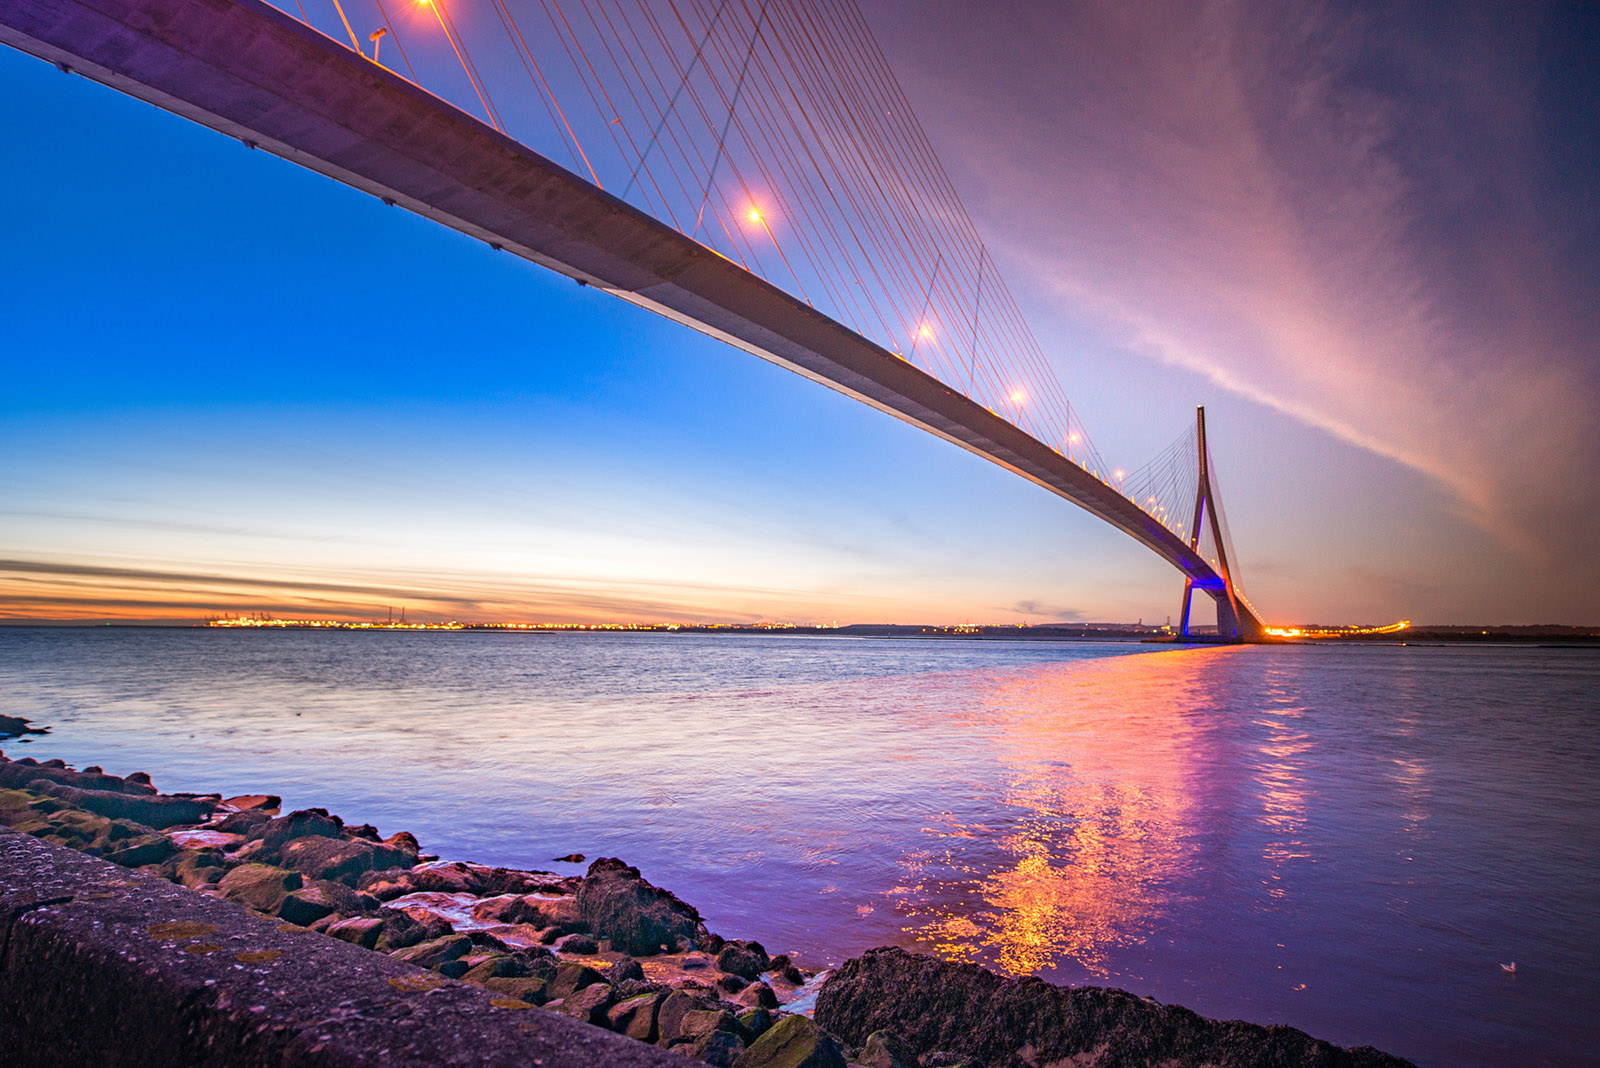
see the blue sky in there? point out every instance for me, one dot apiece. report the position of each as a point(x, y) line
point(234, 385)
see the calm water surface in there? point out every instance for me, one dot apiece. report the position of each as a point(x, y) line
point(1348, 840)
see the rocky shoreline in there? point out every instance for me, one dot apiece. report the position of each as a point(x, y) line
point(612, 950)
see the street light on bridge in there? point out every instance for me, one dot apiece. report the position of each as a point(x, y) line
point(466, 68)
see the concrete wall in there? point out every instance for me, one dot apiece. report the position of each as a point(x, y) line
point(102, 966)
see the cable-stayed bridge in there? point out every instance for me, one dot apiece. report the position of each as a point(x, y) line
point(747, 167)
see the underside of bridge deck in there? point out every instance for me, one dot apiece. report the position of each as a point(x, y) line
point(249, 71)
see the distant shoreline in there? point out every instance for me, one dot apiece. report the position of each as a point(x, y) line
point(1552, 636)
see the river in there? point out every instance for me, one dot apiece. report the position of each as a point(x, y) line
point(1347, 839)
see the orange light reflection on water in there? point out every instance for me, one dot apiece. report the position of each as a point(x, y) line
point(1105, 767)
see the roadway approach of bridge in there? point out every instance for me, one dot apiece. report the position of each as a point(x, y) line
point(252, 72)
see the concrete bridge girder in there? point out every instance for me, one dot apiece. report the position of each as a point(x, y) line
point(254, 73)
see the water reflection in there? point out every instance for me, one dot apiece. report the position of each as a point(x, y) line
point(1409, 771)
point(1102, 767)
point(1281, 777)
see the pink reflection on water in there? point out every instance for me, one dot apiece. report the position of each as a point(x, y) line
point(1101, 779)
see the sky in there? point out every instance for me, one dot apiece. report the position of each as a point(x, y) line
point(1363, 236)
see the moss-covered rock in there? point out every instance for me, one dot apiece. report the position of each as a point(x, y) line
point(322, 898)
point(718, 1048)
point(196, 868)
point(637, 917)
point(984, 1018)
point(362, 931)
point(636, 1017)
point(260, 886)
point(747, 960)
point(793, 1042)
point(571, 977)
point(339, 859)
point(757, 996)
point(589, 1004)
point(437, 951)
point(755, 1022)
point(137, 852)
point(499, 966)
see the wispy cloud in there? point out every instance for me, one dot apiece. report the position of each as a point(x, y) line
point(32, 589)
point(1339, 212)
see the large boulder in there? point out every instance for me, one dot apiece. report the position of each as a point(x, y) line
point(338, 859)
point(571, 977)
point(580, 944)
point(152, 810)
point(302, 823)
point(703, 1021)
point(637, 917)
point(500, 966)
point(557, 915)
point(678, 1007)
point(362, 931)
point(252, 802)
point(720, 1049)
point(315, 900)
point(589, 1004)
point(625, 968)
point(15, 726)
point(19, 773)
point(249, 823)
point(260, 886)
point(196, 868)
point(436, 952)
point(137, 852)
point(400, 930)
point(993, 1021)
point(636, 1017)
point(755, 1022)
point(65, 826)
point(757, 996)
point(747, 960)
point(457, 877)
point(793, 1042)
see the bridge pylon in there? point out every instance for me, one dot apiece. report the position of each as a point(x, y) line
point(1236, 621)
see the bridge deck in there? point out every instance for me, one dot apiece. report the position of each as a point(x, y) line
point(250, 71)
